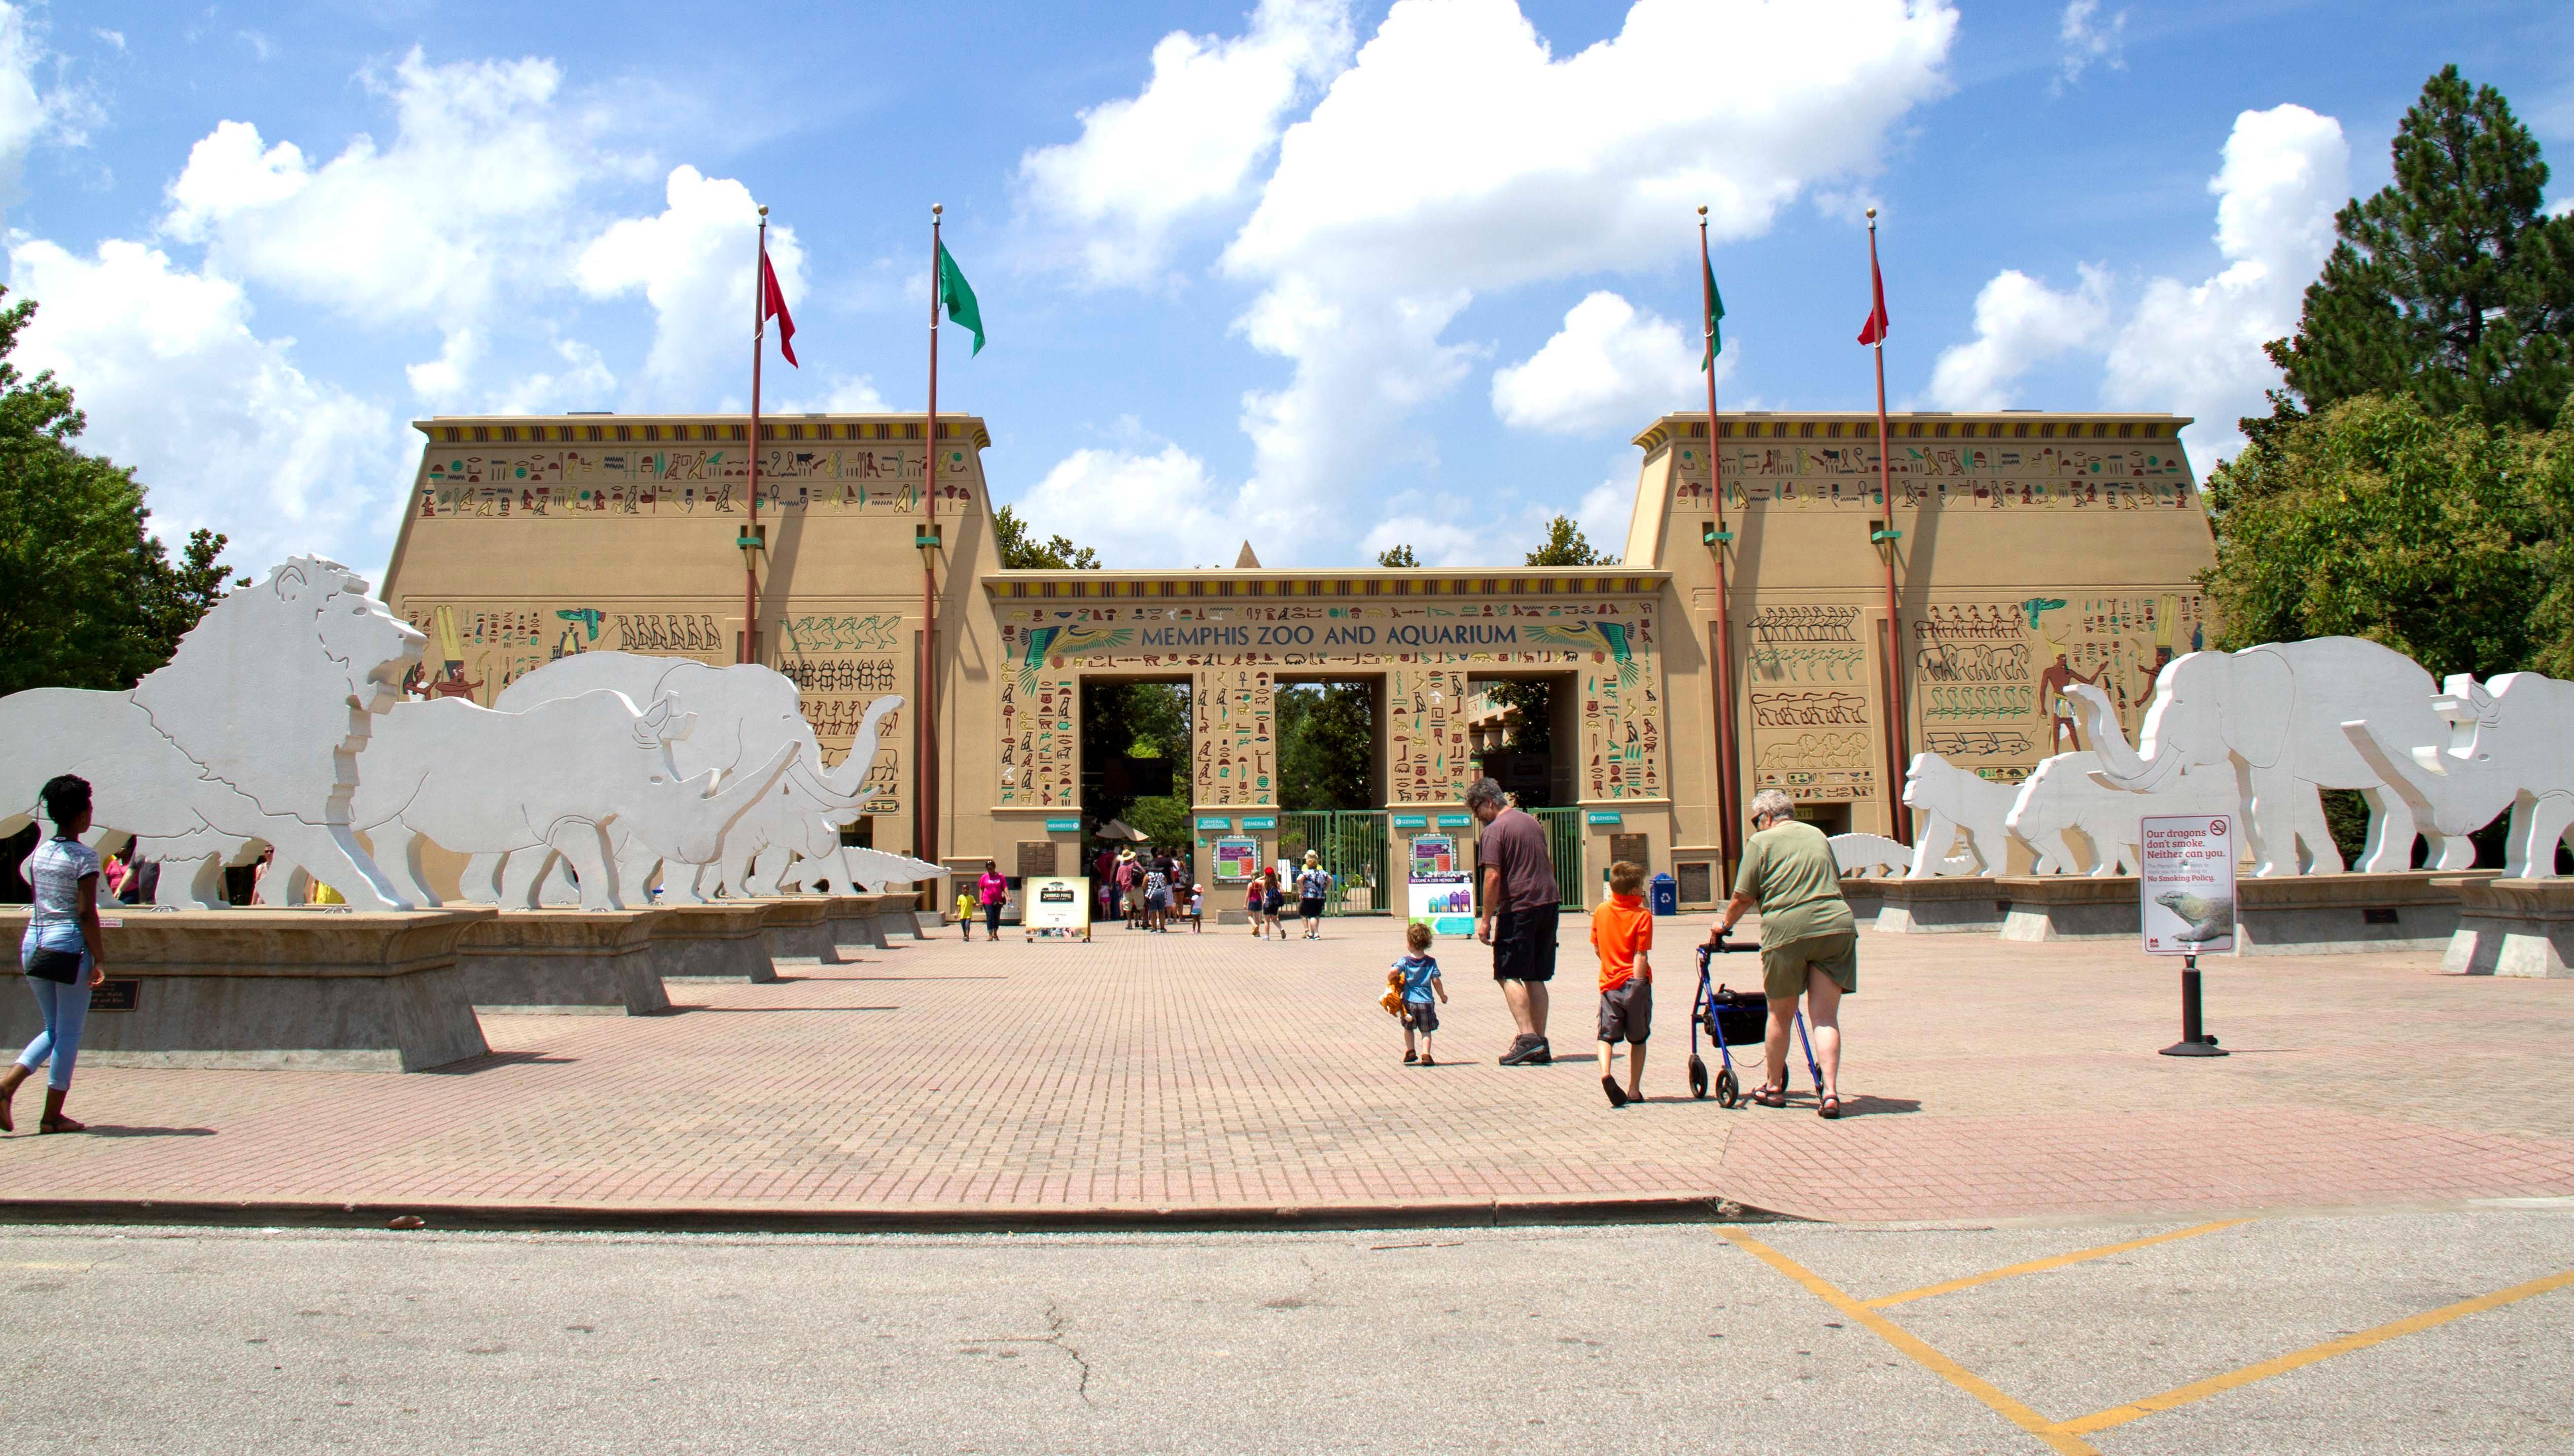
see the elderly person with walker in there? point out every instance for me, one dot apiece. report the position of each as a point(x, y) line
point(1809, 941)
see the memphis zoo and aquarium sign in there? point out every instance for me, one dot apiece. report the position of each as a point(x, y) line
point(1292, 636)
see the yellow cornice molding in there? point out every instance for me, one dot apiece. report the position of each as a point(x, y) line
point(1917, 424)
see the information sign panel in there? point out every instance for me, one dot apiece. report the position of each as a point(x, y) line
point(1054, 903)
point(1236, 859)
point(2187, 883)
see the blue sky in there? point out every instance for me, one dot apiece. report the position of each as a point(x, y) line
point(1324, 276)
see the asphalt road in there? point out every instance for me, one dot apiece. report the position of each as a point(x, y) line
point(1628, 1339)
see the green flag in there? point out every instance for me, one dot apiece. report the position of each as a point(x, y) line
point(1715, 313)
point(958, 297)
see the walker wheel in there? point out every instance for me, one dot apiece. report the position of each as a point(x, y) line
point(1697, 1077)
point(1728, 1091)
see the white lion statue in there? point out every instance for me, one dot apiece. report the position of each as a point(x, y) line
point(250, 733)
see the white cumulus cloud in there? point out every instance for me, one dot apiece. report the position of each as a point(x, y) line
point(219, 424)
point(1142, 507)
point(385, 233)
point(1458, 154)
point(2089, 42)
point(1147, 166)
point(1610, 367)
point(694, 261)
point(2019, 323)
point(2196, 348)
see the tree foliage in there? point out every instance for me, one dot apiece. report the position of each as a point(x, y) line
point(2377, 518)
point(1327, 746)
point(1015, 542)
point(1566, 547)
point(2450, 283)
point(87, 598)
point(1397, 556)
point(1126, 721)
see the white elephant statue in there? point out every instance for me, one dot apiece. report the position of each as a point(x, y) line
point(1950, 799)
point(249, 735)
point(2064, 793)
point(745, 712)
point(2509, 746)
point(2272, 715)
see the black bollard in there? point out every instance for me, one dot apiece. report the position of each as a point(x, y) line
point(2193, 1041)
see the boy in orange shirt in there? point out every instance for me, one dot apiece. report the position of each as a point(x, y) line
point(1622, 930)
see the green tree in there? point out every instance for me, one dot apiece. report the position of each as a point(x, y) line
point(1567, 547)
point(87, 598)
point(2450, 283)
point(1015, 542)
point(1397, 556)
point(1327, 746)
point(1131, 733)
point(2436, 536)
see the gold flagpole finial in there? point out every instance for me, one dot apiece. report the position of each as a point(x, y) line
point(1702, 209)
point(936, 208)
point(763, 209)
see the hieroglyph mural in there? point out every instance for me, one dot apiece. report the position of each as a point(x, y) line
point(682, 480)
point(1983, 475)
point(1235, 651)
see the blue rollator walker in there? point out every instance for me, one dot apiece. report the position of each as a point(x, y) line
point(1731, 1016)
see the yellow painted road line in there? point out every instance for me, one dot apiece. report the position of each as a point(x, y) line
point(2040, 1266)
point(2119, 1415)
point(2056, 1438)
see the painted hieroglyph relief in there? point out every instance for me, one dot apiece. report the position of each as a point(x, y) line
point(1984, 680)
point(683, 479)
point(1234, 654)
point(1823, 473)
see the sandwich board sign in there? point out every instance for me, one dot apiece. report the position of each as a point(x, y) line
point(1056, 905)
point(2187, 883)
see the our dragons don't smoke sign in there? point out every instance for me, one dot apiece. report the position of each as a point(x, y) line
point(2187, 883)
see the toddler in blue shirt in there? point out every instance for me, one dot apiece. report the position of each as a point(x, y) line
point(1420, 972)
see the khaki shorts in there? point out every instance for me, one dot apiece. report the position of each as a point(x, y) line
point(1783, 966)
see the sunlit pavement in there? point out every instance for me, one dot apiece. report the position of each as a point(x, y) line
point(1219, 1077)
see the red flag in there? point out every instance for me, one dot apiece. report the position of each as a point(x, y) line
point(1874, 331)
point(772, 303)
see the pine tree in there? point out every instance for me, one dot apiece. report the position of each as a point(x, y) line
point(2449, 283)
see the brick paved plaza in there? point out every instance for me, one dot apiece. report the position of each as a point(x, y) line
point(1218, 1073)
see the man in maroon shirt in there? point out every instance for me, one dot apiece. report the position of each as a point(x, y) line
point(1519, 914)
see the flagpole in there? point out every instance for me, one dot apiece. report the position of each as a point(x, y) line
point(1896, 757)
point(928, 729)
point(759, 334)
point(1729, 757)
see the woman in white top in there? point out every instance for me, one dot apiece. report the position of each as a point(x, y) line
point(61, 953)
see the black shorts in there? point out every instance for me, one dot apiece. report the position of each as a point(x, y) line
point(1524, 944)
point(1310, 910)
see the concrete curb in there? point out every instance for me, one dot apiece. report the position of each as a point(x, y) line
point(507, 1217)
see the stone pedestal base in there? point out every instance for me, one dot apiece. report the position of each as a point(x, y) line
point(893, 912)
point(564, 962)
point(2319, 914)
point(2071, 908)
point(849, 920)
point(1865, 898)
point(719, 942)
point(1940, 906)
point(795, 929)
point(2519, 928)
point(272, 990)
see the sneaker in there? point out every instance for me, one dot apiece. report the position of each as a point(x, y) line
point(1617, 1098)
point(1427, 1061)
point(1410, 1058)
point(1521, 1047)
point(1539, 1056)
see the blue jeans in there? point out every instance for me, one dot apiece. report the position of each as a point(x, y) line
point(64, 1007)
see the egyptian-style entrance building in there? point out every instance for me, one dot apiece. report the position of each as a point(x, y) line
point(2029, 550)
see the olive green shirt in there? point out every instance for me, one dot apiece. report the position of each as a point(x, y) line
point(1788, 870)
